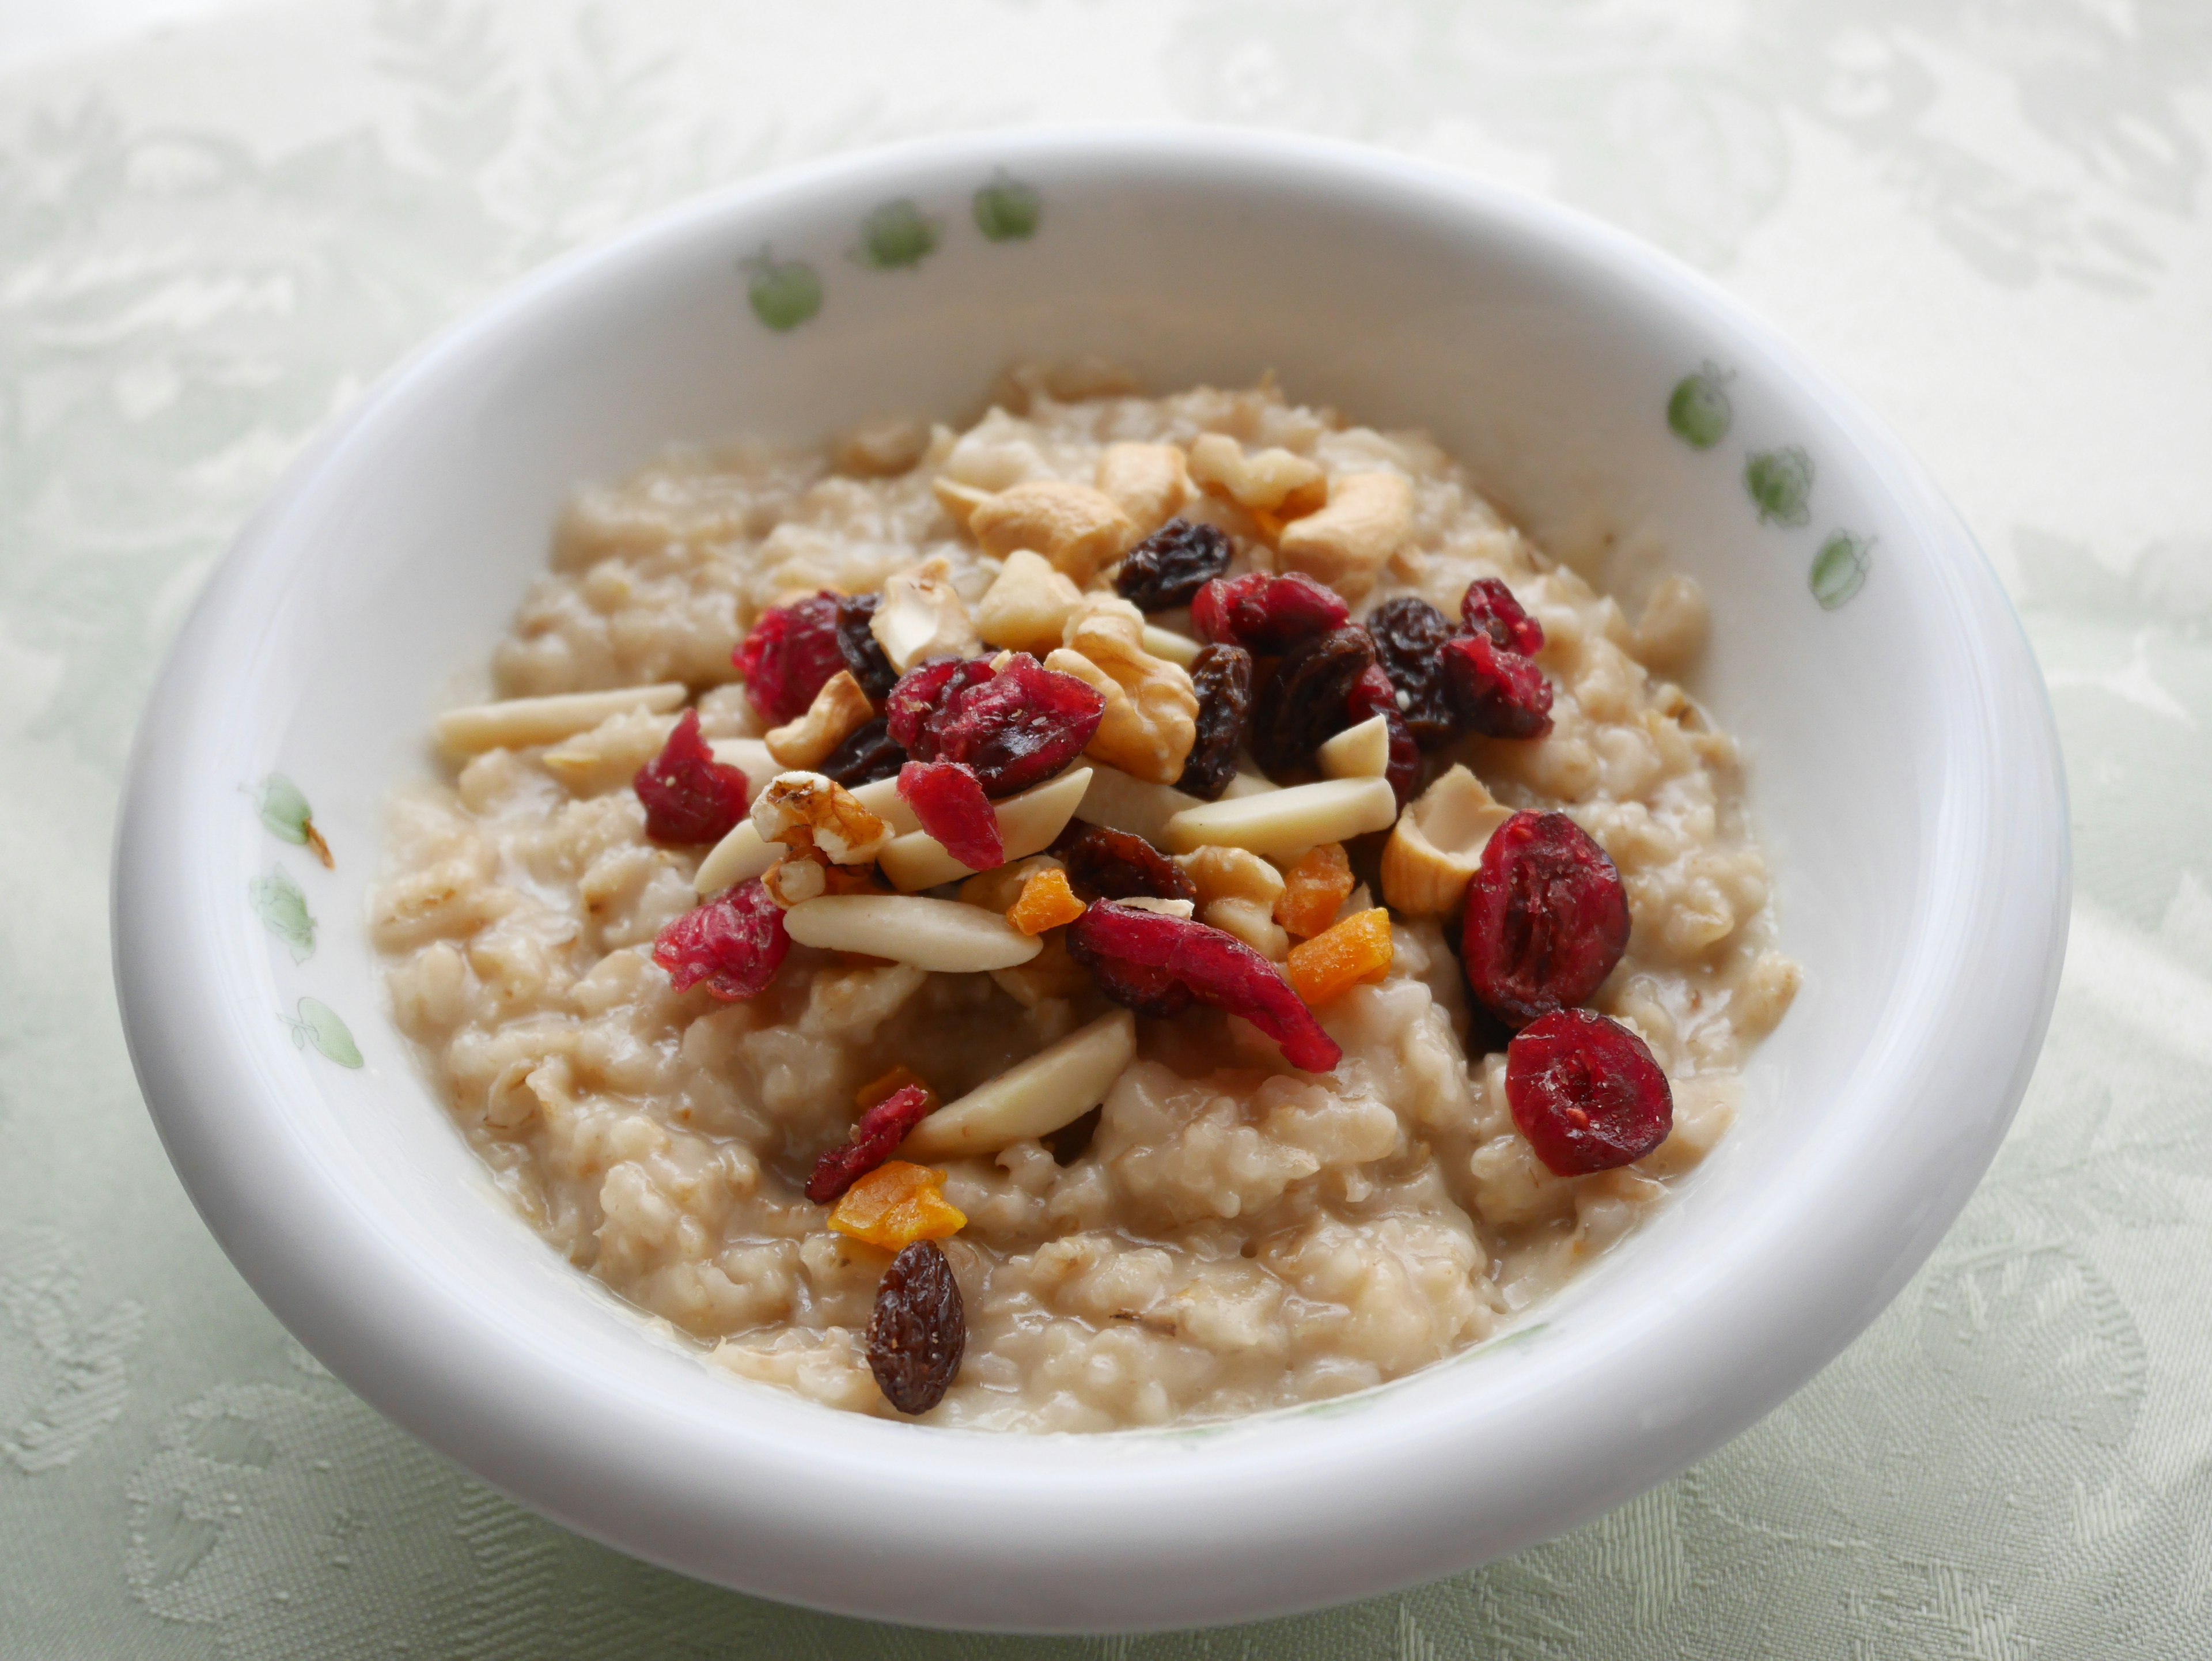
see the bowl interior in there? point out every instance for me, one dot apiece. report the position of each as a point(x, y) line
point(1542, 352)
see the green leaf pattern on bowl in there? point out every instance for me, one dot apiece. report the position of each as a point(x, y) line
point(319, 1025)
point(282, 908)
point(784, 293)
point(1007, 210)
point(1839, 569)
point(896, 236)
point(1781, 485)
point(1699, 408)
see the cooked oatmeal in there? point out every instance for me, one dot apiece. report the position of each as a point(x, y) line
point(1235, 1233)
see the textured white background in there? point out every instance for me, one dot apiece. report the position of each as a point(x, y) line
point(217, 223)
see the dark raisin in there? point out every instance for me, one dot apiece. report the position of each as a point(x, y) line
point(1222, 677)
point(1308, 702)
point(864, 653)
point(867, 754)
point(1173, 563)
point(1586, 1092)
point(1489, 605)
point(1113, 865)
point(1149, 991)
point(1546, 918)
point(918, 1330)
point(1372, 695)
point(1498, 693)
point(1409, 636)
point(1072, 1139)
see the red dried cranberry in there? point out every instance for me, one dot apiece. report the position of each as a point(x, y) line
point(1222, 677)
point(1113, 865)
point(1153, 992)
point(919, 1330)
point(1173, 563)
point(1586, 1092)
point(864, 757)
point(791, 651)
point(1016, 728)
point(1266, 614)
point(874, 1140)
point(689, 796)
point(1372, 695)
point(1499, 694)
point(1215, 966)
point(1546, 918)
point(1308, 701)
point(1409, 636)
point(953, 807)
point(862, 652)
point(734, 943)
point(1488, 606)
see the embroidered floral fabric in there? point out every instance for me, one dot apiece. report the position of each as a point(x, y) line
point(1989, 219)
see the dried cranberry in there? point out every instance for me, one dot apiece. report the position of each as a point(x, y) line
point(1215, 966)
point(1372, 695)
point(1222, 677)
point(1113, 865)
point(1266, 614)
point(953, 807)
point(1546, 918)
point(874, 1140)
point(862, 652)
point(867, 754)
point(1308, 700)
point(689, 796)
point(1586, 1092)
point(791, 651)
point(1016, 728)
point(1173, 563)
point(1498, 693)
point(918, 1330)
point(734, 943)
point(1409, 636)
point(1489, 608)
point(1153, 992)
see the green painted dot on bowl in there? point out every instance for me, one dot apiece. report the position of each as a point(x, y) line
point(1781, 485)
point(896, 236)
point(284, 811)
point(283, 909)
point(1699, 408)
point(319, 1025)
point(784, 293)
point(1839, 569)
point(1006, 209)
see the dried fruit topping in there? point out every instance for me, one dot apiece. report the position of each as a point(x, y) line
point(863, 652)
point(1210, 964)
point(1266, 614)
point(1172, 564)
point(1153, 992)
point(1308, 701)
point(1341, 956)
point(866, 756)
point(1546, 918)
point(918, 1330)
point(1409, 636)
point(689, 796)
point(1222, 677)
point(1046, 902)
point(1586, 1092)
point(1499, 694)
point(1488, 607)
point(1015, 729)
point(897, 1204)
point(873, 1140)
point(1372, 695)
point(949, 801)
point(885, 1086)
point(790, 652)
point(1116, 866)
point(734, 944)
point(1314, 889)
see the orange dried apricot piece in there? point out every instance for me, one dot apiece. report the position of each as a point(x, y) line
point(897, 1204)
point(1338, 958)
point(1046, 902)
point(883, 1089)
point(1313, 889)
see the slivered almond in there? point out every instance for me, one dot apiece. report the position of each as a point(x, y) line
point(1177, 648)
point(1282, 823)
point(514, 723)
point(1244, 782)
point(1027, 824)
point(1122, 801)
point(750, 758)
point(943, 936)
point(744, 853)
point(1054, 1088)
point(1357, 752)
point(1165, 908)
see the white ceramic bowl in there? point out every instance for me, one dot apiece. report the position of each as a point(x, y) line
point(1903, 762)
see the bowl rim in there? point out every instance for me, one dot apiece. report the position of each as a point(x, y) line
point(1369, 1505)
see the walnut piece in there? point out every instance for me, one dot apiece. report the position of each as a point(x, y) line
point(805, 810)
point(1152, 709)
point(839, 710)
point(1273, 481)
point(1077, 527)
point(1232, 873)
point(1344, 545)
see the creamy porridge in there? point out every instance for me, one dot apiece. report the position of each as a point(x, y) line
point(1148, 1213)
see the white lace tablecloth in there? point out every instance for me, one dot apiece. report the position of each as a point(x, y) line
point(1987, 218)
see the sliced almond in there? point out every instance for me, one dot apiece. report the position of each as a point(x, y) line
point(1165, 908)
point(1246, 782)
point(514, 723)
point(1054, 1088)
point(750, 758)
point(1436, 846)
point(1120, 801)
point(943, 936)
point(1027, 824)
point(1357, 752)
point(1283, 823)
point(745, 854)
point(1179, 649)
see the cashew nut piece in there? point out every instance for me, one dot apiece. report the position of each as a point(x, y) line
point(1273, 481)
point(1077, 527)
point(1150, 481)
point(921, 617)
point(1368, 519)
point(839, 710)
point(1436, 845)
point(1026, 608)
point(1054, 1088)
